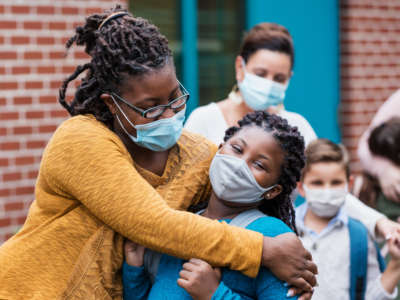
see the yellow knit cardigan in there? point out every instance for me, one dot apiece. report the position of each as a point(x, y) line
point(89, 194)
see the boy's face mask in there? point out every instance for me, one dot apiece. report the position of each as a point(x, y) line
point(325, 202)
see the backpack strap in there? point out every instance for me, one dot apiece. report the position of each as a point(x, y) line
point(246, 218)
point(379, 257)
point(151, 259)
point(358, 259)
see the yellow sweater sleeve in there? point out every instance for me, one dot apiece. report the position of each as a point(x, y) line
point(86, 161)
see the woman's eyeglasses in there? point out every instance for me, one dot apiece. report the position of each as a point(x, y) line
point(156, 111)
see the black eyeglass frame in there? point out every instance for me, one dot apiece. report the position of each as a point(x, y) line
point(163, 107)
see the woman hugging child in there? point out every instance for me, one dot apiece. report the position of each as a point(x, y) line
point(252, 177)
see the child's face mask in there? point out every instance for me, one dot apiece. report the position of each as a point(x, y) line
point(325, 202)
point(232, 180)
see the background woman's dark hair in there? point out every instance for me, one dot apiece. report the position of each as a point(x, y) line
point(292, 144)
point(384, 140)
point(268, 36)
point(123, 46)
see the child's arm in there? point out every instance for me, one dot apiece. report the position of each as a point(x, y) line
point(391, 276)
point(382, 286)
point(135, 281)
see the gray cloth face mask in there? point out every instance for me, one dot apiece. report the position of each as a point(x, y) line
point(232, 180)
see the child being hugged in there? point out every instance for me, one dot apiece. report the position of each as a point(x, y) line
point(348, 260)
point(252, 177)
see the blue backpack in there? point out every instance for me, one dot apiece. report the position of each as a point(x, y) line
point(359, 259)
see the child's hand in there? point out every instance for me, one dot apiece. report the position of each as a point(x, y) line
point(199, 279)
point(133, 253)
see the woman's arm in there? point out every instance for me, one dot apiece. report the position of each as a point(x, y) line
point(89, 163)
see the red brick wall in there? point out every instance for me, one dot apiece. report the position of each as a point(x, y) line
point(32, 65)
point(370, 63)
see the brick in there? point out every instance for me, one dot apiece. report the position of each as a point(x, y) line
point(45, 10)
point(33, 174)
point(21, 220)
point(22, 130)
point(5, 222)
point(93, 10)
point(36, 144)
point(20, 70)
point(3, 101)
point(24, 160)
point(13, 206)
point(34, 114)
point(33, 85)
point(48, 99)
point(59, 114)
point(30, 25)
point(4, 162)
point(45, 40)
point(8, 85)
point(57, 25)
point(25, 190)
point(20, 9)
point(12, 176)
point(12, 115)
point(47, 128)
point(46, 69)
point(33, 55)
point(1, 9)
point(8, 55)
point(68, 69)
point(3, 131)
point(81, 55)
point(56, 54)
point(5, 192)
point(7, 146)
point(8, 25)
point(19, 40)
point(22, 100)
point(55, 84)
point(69, 10)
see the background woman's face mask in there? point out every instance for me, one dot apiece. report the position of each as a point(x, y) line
point(233, 181)
point(260, 93)
point(325, 202)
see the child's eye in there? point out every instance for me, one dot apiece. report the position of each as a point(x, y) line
point(259, 165)
point(316, 182)
point(337, 182)
point(236, 148)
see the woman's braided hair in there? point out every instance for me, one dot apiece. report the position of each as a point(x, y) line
point(292, 144)
point(122, 46)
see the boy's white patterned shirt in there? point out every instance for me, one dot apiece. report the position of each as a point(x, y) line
point(330, 250)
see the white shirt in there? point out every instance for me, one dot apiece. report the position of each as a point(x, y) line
point(209, 121)
point(330, 250)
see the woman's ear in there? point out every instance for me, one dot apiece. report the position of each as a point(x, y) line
point(221, 145)
point(109, 102)
point(272, 193)
point(239, 62)
point(300, 188)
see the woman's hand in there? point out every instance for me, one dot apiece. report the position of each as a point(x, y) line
point(385, 227)
point(287, 259)
point(133, 253)
point(199, 279)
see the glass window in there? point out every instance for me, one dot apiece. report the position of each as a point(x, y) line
point(220, 29)
point(166, 16)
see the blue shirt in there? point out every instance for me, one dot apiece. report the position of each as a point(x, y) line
point(233, 285)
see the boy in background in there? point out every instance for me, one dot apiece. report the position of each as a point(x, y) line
point(348, 261)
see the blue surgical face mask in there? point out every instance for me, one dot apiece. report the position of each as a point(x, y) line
point(159, 135)
point(260, 93)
